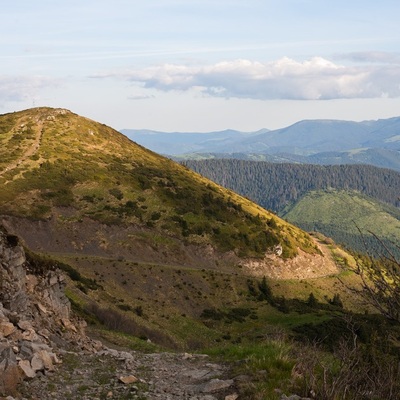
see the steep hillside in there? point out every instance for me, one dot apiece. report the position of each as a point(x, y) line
point(74, 175)
point(286, 188)
point(137, 232)
point(276, 185)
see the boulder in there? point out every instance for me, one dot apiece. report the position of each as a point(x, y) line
point(37, 363)
point(6, 329)
point(25, 325)
point(28, 371)
point(127, 380)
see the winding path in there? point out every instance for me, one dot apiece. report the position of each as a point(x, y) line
point(32, 149)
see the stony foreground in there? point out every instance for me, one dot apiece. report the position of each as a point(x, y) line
point(111, 374)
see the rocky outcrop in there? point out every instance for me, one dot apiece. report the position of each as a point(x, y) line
point(35, 319)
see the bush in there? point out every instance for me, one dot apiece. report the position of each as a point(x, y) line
point(352, 372)
point(116, 193)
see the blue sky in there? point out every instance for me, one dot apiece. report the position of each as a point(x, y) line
point(176, 65)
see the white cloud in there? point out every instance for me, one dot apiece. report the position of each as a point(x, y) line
point(21, 88)
point(313, 79)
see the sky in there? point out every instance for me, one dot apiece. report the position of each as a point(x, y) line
point(202, 65)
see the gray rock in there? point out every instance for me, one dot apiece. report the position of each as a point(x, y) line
point(37, 363)
point(25, 325)
point(215, 385)
point(8, 355)
point(27, 369)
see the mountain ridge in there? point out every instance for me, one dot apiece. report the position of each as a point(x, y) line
point(375, 142)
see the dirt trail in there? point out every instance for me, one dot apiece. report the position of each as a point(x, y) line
point(303, 266)
point(32, 149)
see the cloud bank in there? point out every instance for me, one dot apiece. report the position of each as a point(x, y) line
point(313, 79)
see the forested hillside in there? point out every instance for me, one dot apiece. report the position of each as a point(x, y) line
point(334, 200)
point(275, 186)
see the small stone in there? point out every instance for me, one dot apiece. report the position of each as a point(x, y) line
point(10, 378)
point(110, 394)
point(41, 308)
point(215, 385)
point(234, 396)
point(25, 325)
point(44, 333)
point(37, 363)
point(97, 345)
point(26, 368)
point(53, 280)
point(30, 335)
point(47, 359)
point(6, 329)
point(8, 355)
point(128, 379)
point(124, 355)
point(26, 351)
point(55, 359)
point(69, 325)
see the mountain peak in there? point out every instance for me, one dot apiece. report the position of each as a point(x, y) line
point(59, 167)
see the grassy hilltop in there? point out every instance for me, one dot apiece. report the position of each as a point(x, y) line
point(55, 164)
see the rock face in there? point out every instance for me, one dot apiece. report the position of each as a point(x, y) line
point(34, 317)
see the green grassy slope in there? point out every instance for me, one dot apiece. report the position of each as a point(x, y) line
point(341, 214)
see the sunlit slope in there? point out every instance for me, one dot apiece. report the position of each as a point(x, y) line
point(69, 173)
point(344, 214)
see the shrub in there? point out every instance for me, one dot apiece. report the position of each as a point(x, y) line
point(353, 371)
point(116, 193)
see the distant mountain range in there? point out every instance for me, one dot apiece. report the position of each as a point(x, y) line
point(177, 143)
point(310, 142)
